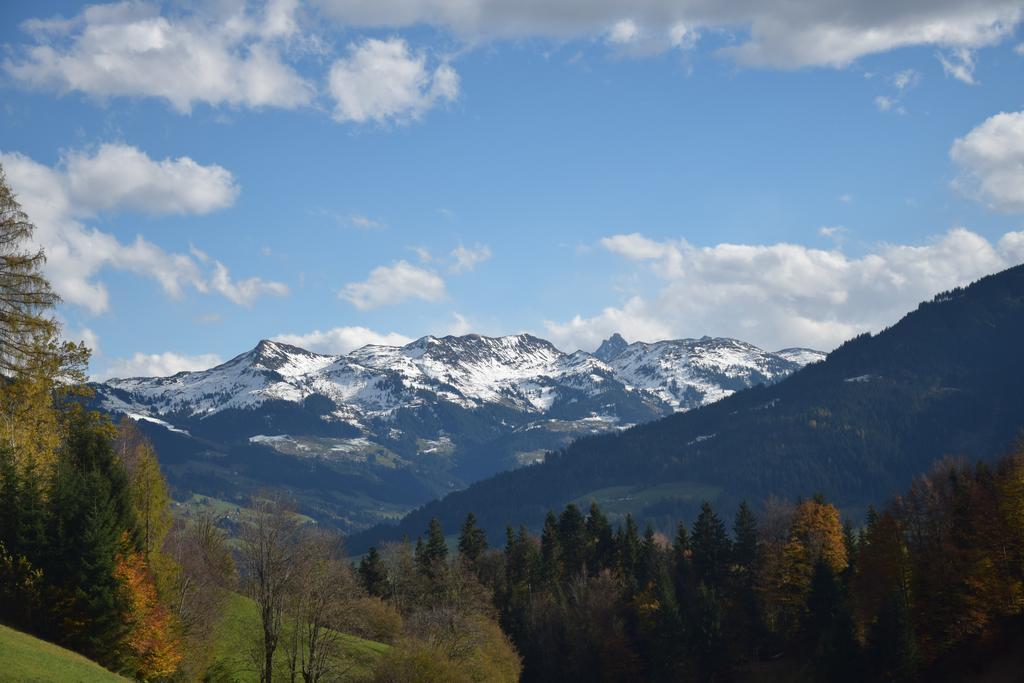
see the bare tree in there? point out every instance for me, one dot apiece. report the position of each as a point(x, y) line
point(324, 588)
point(270, 556)
point(206, 573)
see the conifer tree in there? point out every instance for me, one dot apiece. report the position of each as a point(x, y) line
point(572, 540)
point(711, 548)
point(550, 551)
point(372, 573)
point(472, 541)
point(601, 541)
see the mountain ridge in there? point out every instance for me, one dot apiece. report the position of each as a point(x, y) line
point(944, 380)
point(413, 422)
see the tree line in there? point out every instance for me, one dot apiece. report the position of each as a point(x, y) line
point(930, 588)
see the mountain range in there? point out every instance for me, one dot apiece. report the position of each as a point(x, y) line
point(879, 410)
point(368, 435)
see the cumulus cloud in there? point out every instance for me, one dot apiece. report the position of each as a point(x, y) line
point(394, 284)
point(788, 35)
point(60, 199)
point(783, 294)
point(123, 177)
point(383, 80)
point(341, 340)
point(467, 258)
point(991, 160)
point(156, 365)
point(227, 57)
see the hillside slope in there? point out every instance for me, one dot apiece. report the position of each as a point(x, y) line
point(857, 427)
point(26, 658)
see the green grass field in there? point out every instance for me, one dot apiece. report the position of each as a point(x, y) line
point(25, 658)
point(237, 634)
point(616, 501)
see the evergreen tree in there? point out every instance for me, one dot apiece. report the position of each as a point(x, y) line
point(572, 540)
point(432, 556)
point(744, 531)
point(711, 548)
point(372, 573)
point(628, 543)
point(601, 541)
point(472, 541)
point(649, 566)
point(682, 559)
point(891, 646)
point(550, 551)
point(745, 622)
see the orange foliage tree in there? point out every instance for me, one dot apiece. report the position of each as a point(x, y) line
point(153, 642)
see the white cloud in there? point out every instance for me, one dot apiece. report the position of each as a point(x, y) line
point(1019, 49)
point(460, 325)
point(959, 63)
point(225, 57)
point(119, 176)
point(341, 340)
point(395, 284)
point(382, 80)
point(59, 199)
point(833, 231)
point(884, 103)
point(624, 32)
point(846, 198)
point(784, 294)
point(365, 223)
point(906, 79)
point(991, 160)
point(465, 259)
point(788, 35)
point(243, 292)
point(156, 365)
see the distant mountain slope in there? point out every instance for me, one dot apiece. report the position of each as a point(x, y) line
point(368, 435)
point(947, 379)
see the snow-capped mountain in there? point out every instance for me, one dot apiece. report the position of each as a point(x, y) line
point(446, 410)
point(520, 372)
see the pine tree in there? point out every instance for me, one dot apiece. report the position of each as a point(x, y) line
point(891, 646)
point(372, 573)
point(550, 551)
point(629, 549)
point(711, 548)
point(572, 540)
point(601, 541)
point(744, 531)
point(472, 541)
point(649, 566)
point(432, 556)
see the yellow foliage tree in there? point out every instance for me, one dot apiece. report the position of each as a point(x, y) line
point(153, 643)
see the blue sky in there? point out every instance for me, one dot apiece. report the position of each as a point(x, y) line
point(204, 174)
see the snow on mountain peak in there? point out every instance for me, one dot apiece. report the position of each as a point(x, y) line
point(611, 347)
point(522, 372)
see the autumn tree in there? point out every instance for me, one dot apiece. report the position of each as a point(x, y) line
point(34, 362)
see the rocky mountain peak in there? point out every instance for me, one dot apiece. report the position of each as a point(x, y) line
point(611, 347)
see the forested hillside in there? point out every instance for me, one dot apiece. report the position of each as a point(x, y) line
point(930, 588)
point(856, 427)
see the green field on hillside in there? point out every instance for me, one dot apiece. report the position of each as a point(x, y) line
point(26, 658)
point(237, 635)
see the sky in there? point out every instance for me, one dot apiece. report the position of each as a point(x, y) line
point(204, 174)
